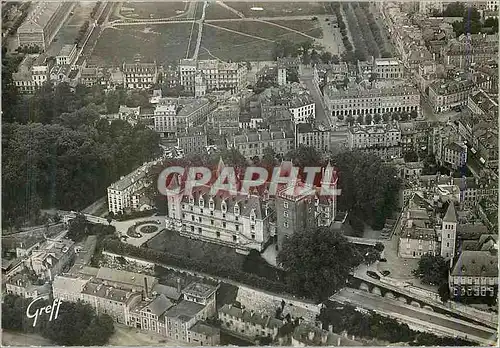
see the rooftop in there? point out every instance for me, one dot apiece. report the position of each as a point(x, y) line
point(476, 264)
point(124, 277)
point(66, 50)
point(184, 311)
point(199, 290)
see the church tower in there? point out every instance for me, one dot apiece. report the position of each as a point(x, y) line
point(449, 232)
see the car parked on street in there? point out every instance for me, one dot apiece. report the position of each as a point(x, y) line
point(373, 275)
point(385, 273)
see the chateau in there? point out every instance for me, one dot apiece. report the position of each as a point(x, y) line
point(248, 221)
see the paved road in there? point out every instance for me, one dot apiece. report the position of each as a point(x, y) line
point(321, 114)
point(435, 321)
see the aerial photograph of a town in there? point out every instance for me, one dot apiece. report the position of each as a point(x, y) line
point(209, 173)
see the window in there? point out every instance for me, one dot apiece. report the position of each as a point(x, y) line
point(285, 224)
point(192, 217)
point(236, 209)
point(285, 213)
point(234, 238)
point(211, 222)
point(237, 227)
point(217, 234)
point(285, 205)
point(211, 204)
point(253, 236)
point(199, 230)
point(201, 202)
point(224, 224)
point(224, 207)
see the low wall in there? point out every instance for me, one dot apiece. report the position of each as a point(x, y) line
point(251, 298)
point(268, 303)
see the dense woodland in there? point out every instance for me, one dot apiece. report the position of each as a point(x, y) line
point(76, 325)
point(58, 152)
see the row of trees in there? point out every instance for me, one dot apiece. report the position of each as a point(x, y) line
point(370, 43)
point(94, 10)
point(81, 33)
point(377, 118)
point(335, 6)
point(360, 52)
point(375, 29)
point(372, 325)
point(471, 19)
point(77, 323)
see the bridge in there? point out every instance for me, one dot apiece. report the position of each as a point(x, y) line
point(420, 298)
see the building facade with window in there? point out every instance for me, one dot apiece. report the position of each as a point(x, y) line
point(139, 75)
point(239, 221)
point(253, 144)
point(32, 73)
point(360, 101)
point(383, 140)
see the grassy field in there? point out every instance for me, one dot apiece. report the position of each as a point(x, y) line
point(172, 242)
point(231, 46)
point(216, 11)
point(266, 31)
point(152, 9)
point(278, 8)
point(308, 27)
point(164, 43)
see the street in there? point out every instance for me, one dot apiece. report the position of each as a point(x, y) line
point(321, 115)
point(424, 318)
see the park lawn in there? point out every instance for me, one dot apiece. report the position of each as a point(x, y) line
point(173, 243)
point(226, 46)
point(216, 11)
point(157, 9)
point(165, 43)
point(308, 27)
point(278, 8)
point(81, 13)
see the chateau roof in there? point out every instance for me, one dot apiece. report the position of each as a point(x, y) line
point(476, 264)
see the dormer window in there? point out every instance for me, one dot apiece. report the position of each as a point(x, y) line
point(191, 200)
point(223, 207)
point(252, 215)
point(201, 202)
point(236, 209)
point(211, 204)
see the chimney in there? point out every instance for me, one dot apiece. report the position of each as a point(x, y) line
point(338, 341)
point(330, 328)
point(179, 286)
point(324, 337)
point(146, 287)
point(311, 335)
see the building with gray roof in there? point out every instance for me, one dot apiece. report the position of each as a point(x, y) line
point(43, 23)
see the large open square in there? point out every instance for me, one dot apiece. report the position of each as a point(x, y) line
point(165, 43)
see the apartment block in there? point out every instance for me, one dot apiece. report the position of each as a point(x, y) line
point(445, 95)
point(382, 140)
point(139, 75)
point(43, 23)
point(203, 76)
point(360, 101)
point(32, 73)
point(253, 144)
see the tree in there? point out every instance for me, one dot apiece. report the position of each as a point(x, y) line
point(377, 118)
point(368, 119)
point(350, 120)
point(369, 187)
point(379, 246)
point(432, 269)
point(317, 261)
point(360, 119)
point(411, 156)
point(386, 117)
point(304, 156)
point(269, 157)
point(444, 292)
point(326, 57)
point(413, 114)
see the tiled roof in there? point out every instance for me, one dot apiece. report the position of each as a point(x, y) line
point(124, 277)
point(184, 311)
point(476, 264)
point(251, 317)
point(199, 290)
point(204, 329)
point(159, 305)
point(451, 215)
